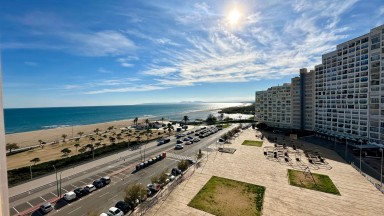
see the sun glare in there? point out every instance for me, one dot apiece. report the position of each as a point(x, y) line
point(234, 16)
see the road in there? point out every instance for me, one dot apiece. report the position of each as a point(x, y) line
point(104, 198)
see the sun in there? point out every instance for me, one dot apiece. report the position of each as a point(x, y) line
point(234, 16)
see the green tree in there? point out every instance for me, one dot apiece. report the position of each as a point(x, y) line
point(147, 123)
point(135, 121)
point(66, 151)
point(97, 130)
point(35, 160)
point(221, 116)
point(183, 165)
point(76, 146)
point(11, 146)
point(97, 145)
point(162, 119)
point(64, 136)
point(135, 192)
point(80, 133)
point(82, 149)
point(185, 119)
point(211, 119)
point(110, 128)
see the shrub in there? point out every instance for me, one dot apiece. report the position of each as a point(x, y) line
point(183, 165)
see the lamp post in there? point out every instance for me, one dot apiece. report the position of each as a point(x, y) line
point(57, 182)
point(346, 148)
point(361, 146)
point(381, 168)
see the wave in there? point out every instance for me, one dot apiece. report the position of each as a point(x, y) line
point(55, 126)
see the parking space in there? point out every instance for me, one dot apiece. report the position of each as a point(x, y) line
point(12, 211)
point(68, 188)
point(22, 207)
point(48, 196)
point(36, 201)
point(108, 171)
point(78, 184)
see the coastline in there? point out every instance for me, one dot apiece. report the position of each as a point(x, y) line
point(30, 138)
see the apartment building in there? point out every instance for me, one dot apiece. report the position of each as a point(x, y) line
point(349, 89)
point(273, 106)
point(303, 97)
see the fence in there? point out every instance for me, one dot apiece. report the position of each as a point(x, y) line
point(376, 183)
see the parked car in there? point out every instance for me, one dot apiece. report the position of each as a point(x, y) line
point(170, 177)
point(175, 172)
point(186, 139)
point(46, 207)
point(179, 142)
point(115, 211)
point(188, 143)
point(69, 196)
point(191, 161)
point(179, 146)
point(90, 188)
point(98, 184)
point(153, 187)
point(196, 140)
point(123, 206)
point(80, 192)
point(106, 180)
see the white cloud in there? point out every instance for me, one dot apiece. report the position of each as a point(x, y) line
point(103, 70)
point(141, 88)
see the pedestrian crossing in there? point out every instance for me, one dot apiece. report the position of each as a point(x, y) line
point(178, 157)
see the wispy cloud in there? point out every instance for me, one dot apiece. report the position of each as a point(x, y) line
point(128, 89)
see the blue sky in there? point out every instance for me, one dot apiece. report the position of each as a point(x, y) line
point(78, 53)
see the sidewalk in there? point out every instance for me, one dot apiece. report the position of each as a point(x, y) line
point(248, 164)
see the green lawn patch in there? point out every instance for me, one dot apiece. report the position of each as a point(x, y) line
point(252, 143)
point(319, 182)
point(226, 197)
point(226, 125)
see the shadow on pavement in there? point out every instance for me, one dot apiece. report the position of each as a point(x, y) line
point(37, 213)
point(60, 203)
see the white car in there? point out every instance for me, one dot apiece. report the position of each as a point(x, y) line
point(170, 177)
point(188, 143)
point(115, 211)
point(179, 146)
point(69, 196)
point(90, 188)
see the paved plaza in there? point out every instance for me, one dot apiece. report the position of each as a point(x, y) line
point(248, 164)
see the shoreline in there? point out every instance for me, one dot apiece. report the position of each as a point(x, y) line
point(30, 138)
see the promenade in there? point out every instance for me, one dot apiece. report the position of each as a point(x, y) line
point(248, 164)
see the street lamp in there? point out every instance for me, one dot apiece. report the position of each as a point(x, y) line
point(381, 168)
point(346, 148)
point(57, 182)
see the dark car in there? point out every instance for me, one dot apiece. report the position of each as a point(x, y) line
point(98, 184)
point(123, 206)
point(80, 192)
point(106, 180)
point(179, 142)
point(175, 172)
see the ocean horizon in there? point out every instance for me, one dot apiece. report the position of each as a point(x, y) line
point(31, 119)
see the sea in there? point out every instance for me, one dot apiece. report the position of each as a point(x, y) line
point(31, 119)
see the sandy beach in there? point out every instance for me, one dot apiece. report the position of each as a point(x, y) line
point(31, 138)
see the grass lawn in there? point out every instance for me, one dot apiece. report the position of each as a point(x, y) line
point(221, 196)
point(252, 143)
point(323, 182)
point(226, 125)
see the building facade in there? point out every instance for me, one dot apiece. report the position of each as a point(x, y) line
point(343, 97)
point(349, 88)
point(273, 106)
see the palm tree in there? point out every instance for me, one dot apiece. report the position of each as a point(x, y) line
point(147, 123)
point(92, 139)
point(221, 116)
point(135, 121)
point(64, 136)
point(185, 119)
point(169, 128)
point(129, 139)
point(162, 119)
point(35, 160)
point(82, 149)
point(97, 130)
point(76, 146)
point(11, 146)
point(98, 144)
point(80, 133)
point(110, 128)
point(66, 151)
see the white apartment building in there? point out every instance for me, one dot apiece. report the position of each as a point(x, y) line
point(273, 106)
point(349, 89)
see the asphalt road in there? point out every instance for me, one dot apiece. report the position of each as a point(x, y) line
point(100, 200)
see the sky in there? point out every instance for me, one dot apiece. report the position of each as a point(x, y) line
point(94, 52)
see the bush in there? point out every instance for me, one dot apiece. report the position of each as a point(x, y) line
point(134, 192)
point(183, 165)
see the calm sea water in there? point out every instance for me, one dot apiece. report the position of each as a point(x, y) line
point(30, 119)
